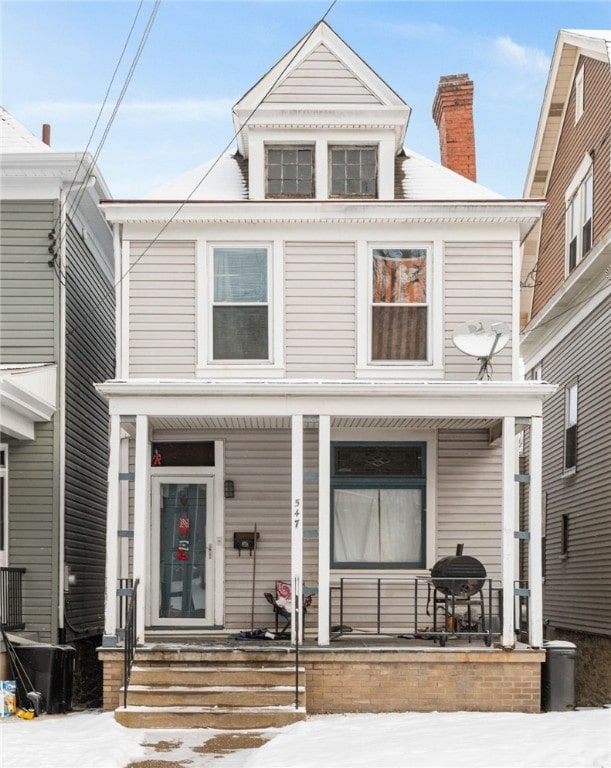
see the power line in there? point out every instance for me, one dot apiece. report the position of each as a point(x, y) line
point(209, 170)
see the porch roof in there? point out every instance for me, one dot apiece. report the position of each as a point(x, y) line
point(408, 403)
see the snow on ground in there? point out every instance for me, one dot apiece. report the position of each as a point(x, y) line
point(580, 739)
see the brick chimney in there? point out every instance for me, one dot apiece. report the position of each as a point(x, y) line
point(453, 115)
point(46, 134)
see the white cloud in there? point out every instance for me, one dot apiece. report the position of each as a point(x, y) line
point(520, 56)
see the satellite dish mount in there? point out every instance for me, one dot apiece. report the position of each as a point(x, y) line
point(482, 338)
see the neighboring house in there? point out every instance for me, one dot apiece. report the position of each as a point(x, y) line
point(286, 364)
point(566, 311)
point(56, 338)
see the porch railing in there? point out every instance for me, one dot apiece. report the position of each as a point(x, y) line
point(129, 638)
point(11, 598)
point(412, 607)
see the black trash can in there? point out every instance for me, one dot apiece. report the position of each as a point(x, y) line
point(558, 676)
point(50, 669)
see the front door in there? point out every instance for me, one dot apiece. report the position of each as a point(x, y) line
point(182, 552)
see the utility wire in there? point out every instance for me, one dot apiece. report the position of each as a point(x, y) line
point(209, 170)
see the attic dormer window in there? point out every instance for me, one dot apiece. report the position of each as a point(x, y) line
point(290, 171)
point(353, 171)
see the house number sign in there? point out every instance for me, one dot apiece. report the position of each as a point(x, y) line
point(297, 513)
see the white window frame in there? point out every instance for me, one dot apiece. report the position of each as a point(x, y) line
point(432, 366)
point(579, 210)
point(571, 421)
point(206, 365)
point(579, 95)
point(4, 506)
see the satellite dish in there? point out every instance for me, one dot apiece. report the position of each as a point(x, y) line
point(482, 338)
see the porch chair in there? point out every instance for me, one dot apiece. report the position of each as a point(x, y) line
point(281, 604)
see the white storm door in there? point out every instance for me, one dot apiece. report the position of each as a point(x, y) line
point(182, 557)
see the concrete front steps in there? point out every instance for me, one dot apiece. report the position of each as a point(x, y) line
point(177, 693)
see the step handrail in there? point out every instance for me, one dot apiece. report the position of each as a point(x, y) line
point(130, 639)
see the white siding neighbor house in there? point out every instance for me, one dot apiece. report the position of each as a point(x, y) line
point(290, 406)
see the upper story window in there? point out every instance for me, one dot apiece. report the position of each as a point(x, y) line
point(3, 503)
point(290, 171)
point(240, 307)
point(399, 304)
point(570, 428)
point(579, 216)
point(579, 82)
point(353, 171)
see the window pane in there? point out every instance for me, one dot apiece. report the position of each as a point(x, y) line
point(240, 333)
point(377, 525)
point(284, 166)
point(399, 275)
point(399, 333)
point(353, 171)
point(240, 275)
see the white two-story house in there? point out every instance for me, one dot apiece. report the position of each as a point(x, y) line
point(287, 376)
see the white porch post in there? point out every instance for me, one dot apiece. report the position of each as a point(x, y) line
point(112, 528)
point(141, 514)
point(324, 527)
point(535, 570)
point(296, 523)
point(508, 559)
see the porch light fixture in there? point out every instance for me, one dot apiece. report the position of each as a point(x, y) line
point(229, 489)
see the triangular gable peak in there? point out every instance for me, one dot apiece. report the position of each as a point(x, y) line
point(320, 83)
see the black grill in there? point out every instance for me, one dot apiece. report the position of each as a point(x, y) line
point(458, 574)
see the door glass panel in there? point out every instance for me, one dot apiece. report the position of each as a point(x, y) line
point(182, 551)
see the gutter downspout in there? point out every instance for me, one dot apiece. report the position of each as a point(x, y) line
point(61, 403)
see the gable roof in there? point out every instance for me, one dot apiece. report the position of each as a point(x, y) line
point(321, 70)
point(570, 45)
point(14, 137)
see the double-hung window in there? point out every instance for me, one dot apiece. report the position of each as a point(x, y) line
point(378, 500)
point(399, 304)
point(579, 221)
point(3, 504)
point(570, 428)
point(353, 171)
point(240, 303)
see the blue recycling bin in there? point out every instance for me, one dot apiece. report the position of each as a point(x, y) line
point(50, 669)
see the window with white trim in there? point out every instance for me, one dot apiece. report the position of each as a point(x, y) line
point(378, 505)
point(289, 171)
point(240, 317)
point(579, 221)
point(570, 428)
point(399, 304)
point(353, 171)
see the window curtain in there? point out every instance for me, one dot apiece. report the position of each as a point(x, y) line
point(240, 275)
point(374, 525)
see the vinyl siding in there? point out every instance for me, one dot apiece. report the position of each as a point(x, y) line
point(469, 497)
point(90, 358)
point(28, 286)
point(478, 283)
point(320, 300)
point(162, 310)
point(33, 529)
point(589, 135)
point(577, 593)
point(322, 79)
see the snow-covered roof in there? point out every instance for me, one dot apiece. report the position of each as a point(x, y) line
point(417, 178)
point(15, 137)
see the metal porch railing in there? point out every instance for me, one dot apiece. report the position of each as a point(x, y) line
point(412, 607)
point(11, 598)
point(129, 637)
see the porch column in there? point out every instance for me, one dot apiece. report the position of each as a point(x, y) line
point(141, 513)
point(112, 532)
point(508, 559)
point(535, 569)
point(324, 527)
point(296, 522)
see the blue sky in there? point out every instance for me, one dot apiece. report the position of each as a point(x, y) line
point(58, 59)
